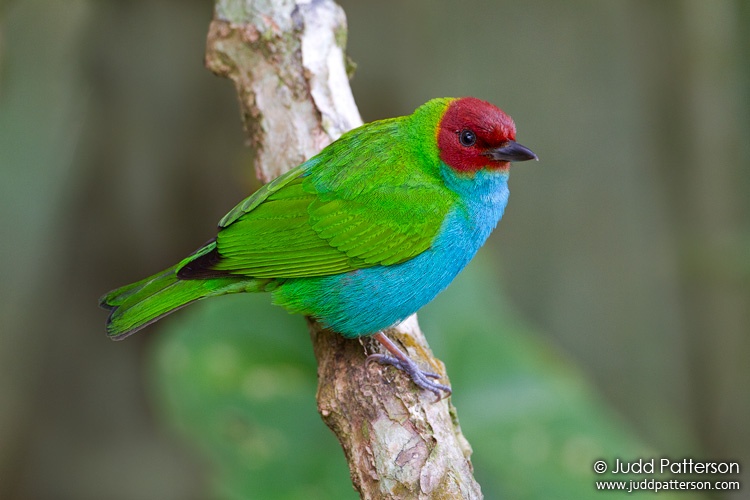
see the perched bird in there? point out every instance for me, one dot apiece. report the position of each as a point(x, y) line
point(358, 237)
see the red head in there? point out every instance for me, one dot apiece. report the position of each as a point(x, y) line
point(474, 134)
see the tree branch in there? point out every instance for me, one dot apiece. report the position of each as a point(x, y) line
point(286, 59)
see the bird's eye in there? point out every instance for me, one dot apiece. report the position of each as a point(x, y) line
point(467, 137)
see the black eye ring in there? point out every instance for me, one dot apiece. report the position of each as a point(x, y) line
point(467, 137)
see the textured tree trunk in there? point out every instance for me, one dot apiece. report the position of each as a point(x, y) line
point(286, 59)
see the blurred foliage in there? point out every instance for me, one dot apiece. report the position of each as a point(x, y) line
point(622, 325)
point(238, 379)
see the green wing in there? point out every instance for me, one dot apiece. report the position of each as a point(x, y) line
point(342, 210)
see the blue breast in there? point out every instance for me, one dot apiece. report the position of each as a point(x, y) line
point(369, 300)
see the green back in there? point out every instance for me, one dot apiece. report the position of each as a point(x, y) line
point(373, 197)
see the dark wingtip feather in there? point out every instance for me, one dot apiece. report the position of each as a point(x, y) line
point(202, 267)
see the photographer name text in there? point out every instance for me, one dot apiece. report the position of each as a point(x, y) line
point(666, 465)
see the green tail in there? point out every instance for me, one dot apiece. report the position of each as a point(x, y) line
point(139, 304)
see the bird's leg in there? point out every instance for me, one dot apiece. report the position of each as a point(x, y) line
point(400, 360)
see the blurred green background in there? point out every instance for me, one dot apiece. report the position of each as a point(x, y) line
point(608, 316)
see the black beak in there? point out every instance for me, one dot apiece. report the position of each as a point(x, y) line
point(512, 151)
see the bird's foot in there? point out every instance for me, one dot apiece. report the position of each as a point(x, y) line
point(423, 379)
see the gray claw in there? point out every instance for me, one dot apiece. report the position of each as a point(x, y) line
point(420, 377)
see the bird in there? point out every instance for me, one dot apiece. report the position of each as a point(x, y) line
point(358, 237)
